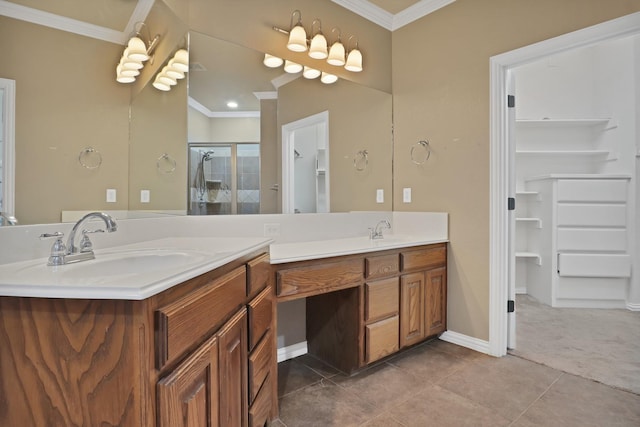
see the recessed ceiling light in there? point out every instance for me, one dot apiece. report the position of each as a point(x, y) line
point(232, 104)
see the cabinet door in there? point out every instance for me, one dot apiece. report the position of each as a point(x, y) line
point(435, 301)
point(188, 396)
point(411, 309)
point(232, 341)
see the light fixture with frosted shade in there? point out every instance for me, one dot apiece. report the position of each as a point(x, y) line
point(297, 35)
point(181, 60)
point(160, 85)
point(124, 79)
point(272, 61)
point(318, 47)
point(354, 59)
point(336, 53)
point(166, 79)
point(127, 62)
point(292, 67)
point(310, 73)
point(137, 49)
point(327, 78)
point(172, 71)
point(130, 72)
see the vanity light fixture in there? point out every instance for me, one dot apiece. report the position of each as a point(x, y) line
point(272, 61)
point(297, 35)
point(292, 67)
point(354, 59)
point(310, 73)
point(318, 47)
point(172, 72)
point(135, 54)
point(328, 79)
point(336, 53)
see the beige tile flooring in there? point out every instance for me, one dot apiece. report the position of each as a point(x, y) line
point(441, 384)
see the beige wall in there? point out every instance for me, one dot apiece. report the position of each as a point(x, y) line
point(441, 92)
point(63, 106)
point(359, 119)
point(268, 156)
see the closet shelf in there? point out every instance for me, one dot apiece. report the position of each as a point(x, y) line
point(556, 123)
point(586, 153)
point(525, 220)
point(526, 193)
point(530, 255)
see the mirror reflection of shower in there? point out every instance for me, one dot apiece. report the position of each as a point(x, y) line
point(224, 178)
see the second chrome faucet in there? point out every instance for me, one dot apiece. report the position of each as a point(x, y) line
point(376, 233)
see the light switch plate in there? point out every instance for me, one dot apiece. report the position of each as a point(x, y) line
point(406, 195)
point(145, 196)
point(111, 195)
point(379, 195)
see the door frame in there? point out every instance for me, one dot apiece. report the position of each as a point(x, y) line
point(8, 147)
point(288, 156)
point(501, 166)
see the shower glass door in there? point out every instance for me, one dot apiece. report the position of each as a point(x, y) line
point(224, 179)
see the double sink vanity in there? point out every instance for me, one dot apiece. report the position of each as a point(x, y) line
point(181, 331)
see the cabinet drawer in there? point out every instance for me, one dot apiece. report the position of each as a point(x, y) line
point(187, 321)
point(259, 365)
point(260, 316)
point(382, 298)
point(382, 338)
point(320, 278)
point(381, 266)
point(260, 411)
point(258, 274)
point(435, 256)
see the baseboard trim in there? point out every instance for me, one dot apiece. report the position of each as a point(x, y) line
point(292, 351)
point(633, 306)
point(476, 344)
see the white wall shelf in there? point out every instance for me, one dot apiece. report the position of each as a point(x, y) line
point(556, 123)
point(594, 153)
point(530, 255)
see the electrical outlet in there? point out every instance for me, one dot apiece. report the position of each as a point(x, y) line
point(111, 195)
point(145, 196)
point(379, 195)
point(406, 195)
point(271, 230)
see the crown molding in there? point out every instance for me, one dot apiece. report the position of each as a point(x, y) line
point(417, 11)
point(266, 95)
point(369, 11)
point(284, 78)
point(51, 20)
point(221, 114)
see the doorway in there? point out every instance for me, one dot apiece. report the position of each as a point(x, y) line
point(7, 150)
point(502, 258)
point(305, 165)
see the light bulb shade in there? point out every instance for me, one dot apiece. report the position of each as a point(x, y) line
point(292, 67)
point(172, 72)
point(163, 78)
point(297, 39)
point(161, 86)
point(130, 63)
point(310, 73)
point(130, 66)
point(318, 48)
point(181, 60)
point(137, 49)
point(124, 79)
point(128, 72)
point(354, 61)
point(328, 78)
point(336, 54)
point(272, 61)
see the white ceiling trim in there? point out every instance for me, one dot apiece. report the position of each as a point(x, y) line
point(221, 114)
point(266, 95)
point(35, 16)
point(417, 11)
point(369, 11)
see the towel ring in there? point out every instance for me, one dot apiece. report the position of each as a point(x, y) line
point(166, 164)
point(361, 160)
point(90, 158)
point(423, 146)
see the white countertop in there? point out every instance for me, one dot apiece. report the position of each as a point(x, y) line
point(301, 251)
point(132, 272)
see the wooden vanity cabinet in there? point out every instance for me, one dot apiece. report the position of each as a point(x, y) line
point(362, 308)
point(201, 353)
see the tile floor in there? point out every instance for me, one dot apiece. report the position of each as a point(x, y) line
point(441, 384)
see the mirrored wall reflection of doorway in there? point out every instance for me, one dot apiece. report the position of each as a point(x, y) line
point(224, 179)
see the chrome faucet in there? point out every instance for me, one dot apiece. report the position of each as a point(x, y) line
point(376, 233)
point(61, 254)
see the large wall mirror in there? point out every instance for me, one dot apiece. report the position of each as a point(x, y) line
point(140, 141)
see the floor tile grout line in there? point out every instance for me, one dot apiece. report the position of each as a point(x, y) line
point(538, 398)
